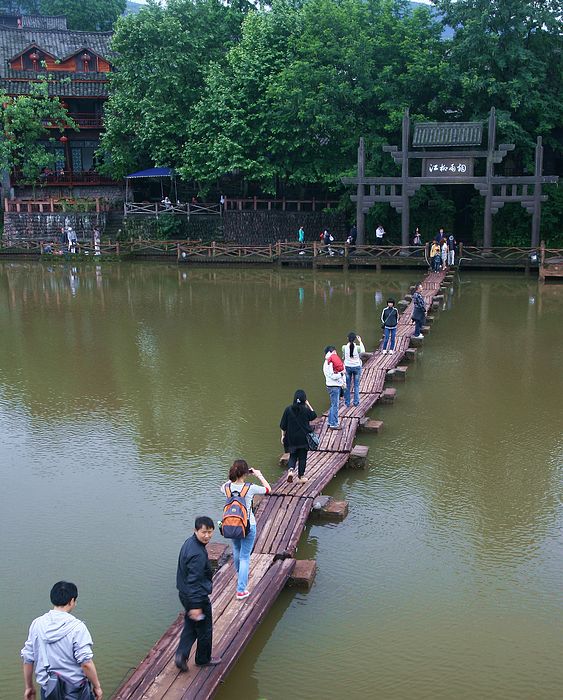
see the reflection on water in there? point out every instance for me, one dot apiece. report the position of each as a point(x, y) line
point(125, 392)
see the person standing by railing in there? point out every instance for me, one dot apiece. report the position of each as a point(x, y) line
point(451, 250)
point(301, 239)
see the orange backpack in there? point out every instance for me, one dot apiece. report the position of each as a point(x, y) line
point(236, 523)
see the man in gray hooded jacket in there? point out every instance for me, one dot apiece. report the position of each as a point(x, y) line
point(59, 645)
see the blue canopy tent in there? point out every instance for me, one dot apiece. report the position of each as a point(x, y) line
point(150, 173)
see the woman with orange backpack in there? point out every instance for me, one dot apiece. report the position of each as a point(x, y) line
point(239, 523)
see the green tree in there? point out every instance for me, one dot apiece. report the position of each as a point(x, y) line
point(290, 101)
point(23, 122)
point(161, 55)
point(85, 16)
point(507, 54)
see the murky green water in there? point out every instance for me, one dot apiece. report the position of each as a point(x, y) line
point(126, 391)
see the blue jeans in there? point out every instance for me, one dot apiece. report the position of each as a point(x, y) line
point(389, 332)
point(334, 393)
point(352, 372)
point(242, 549)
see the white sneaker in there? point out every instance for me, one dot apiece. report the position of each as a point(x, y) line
point(391, 352)
point(384, 352)
point(420, 336)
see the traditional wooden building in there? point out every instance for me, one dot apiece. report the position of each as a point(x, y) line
point(79, 66)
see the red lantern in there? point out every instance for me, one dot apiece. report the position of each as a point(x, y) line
point(63, 139)
point(34, 56)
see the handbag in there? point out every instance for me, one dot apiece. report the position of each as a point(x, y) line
point(313, 441)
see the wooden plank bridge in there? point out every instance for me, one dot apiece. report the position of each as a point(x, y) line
point(281, 518)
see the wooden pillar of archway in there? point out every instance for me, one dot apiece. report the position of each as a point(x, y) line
point(405, 205)
point(360, 216)
point(488, 214)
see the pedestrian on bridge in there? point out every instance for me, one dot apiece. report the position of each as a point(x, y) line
point(353, 365)
point(419, 311)
point(242, 547)
point(294, 427)
point(193, 581)
point(335, 380)
point(389, 321)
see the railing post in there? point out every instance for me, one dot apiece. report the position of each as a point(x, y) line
point(460, 250)
point(117, 247)
point(278, 248)
point(212, 249)
point(41, 247)
point(178, 251)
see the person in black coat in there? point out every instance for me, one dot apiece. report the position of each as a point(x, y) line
point(294, 428)
point(418, 312)
point(193, 581)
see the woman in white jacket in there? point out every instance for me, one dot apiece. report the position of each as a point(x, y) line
point(353, 364)
point(334, 382)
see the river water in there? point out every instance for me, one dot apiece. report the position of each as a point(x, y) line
point(127, 390)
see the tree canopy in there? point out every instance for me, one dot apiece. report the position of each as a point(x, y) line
point(23, 122)
point(278, 97)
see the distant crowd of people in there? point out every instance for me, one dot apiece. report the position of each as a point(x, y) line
point(442, 250)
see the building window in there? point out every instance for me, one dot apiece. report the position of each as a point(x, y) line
point(33, 60)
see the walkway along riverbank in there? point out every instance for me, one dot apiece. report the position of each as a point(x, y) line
point(288, 253)
point(281, 518)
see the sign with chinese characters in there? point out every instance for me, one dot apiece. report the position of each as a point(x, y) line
point(447, 167)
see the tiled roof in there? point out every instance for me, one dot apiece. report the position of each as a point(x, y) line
point(59, 88)
point(44, 21)
point(58, 43)
point(447, 134)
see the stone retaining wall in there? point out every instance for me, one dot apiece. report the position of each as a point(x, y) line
point(264, 227)
point(47, 227)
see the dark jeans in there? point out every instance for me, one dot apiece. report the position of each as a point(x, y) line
point(202, 631)
point(300, 454)
point(418, 327)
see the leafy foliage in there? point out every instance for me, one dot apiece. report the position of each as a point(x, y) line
point(23, 120)
point(161, 54)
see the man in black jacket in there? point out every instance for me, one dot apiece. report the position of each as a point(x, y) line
point(193, 581)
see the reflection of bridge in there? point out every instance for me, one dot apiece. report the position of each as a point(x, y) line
point(315, 254)
point(281, 519)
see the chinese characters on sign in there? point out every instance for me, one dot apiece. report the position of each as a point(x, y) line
point(447, 167)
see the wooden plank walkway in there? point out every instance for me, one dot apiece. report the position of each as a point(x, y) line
point(281, 518)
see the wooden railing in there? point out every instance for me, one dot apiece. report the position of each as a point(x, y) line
point(195, 250)
point(158, 208)
point(51, 205)
point(56, 248)
point(506, 254)
point(256, 203)
point(69, 179)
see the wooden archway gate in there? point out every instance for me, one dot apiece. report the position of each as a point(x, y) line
point(450, 167)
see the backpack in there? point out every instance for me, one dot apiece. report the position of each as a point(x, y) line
point(236, 523)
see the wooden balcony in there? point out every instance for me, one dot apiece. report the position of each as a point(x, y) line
point(69, 179)
point(84, 120)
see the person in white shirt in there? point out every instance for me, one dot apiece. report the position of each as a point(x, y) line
point(379, 233)
point(334, 382)
point(353, 364)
